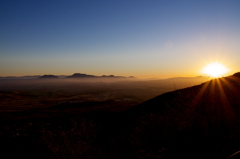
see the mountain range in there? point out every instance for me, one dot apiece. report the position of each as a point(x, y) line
point(81, 75)
point(75, 75)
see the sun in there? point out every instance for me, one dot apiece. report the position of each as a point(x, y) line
point(215, 70)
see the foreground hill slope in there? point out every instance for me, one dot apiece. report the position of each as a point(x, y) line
point(215, 95)
point(197, 122)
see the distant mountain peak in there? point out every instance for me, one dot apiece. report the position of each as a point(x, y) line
point(107, 76)
point(48, 77)
point(80, 75)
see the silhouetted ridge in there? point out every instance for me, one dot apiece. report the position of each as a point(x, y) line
point(108, 76)
point(236, 74)
point(48, 77)
point(112, 76)
point(202, 119)
point(80, 75)
point(75, 75)
point(211, 91)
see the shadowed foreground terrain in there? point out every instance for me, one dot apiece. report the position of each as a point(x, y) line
point(196, 122)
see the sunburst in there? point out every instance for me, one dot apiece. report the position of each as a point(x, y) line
point(215, 70)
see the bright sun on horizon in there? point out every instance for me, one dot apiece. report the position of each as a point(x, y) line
point(215, 70)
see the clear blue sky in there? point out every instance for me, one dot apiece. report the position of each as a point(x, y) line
point(143, 38)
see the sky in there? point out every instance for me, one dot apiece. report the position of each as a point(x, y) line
point(142, 38)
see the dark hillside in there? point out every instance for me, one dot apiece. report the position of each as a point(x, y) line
point(197, 122)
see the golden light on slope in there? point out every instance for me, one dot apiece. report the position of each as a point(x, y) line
point(215, 70)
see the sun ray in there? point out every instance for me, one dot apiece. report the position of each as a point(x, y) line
point(199, 95)
point(212, 97)
point(230, 86)
point(226, 108)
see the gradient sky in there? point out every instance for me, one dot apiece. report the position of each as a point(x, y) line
point(143, 38)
